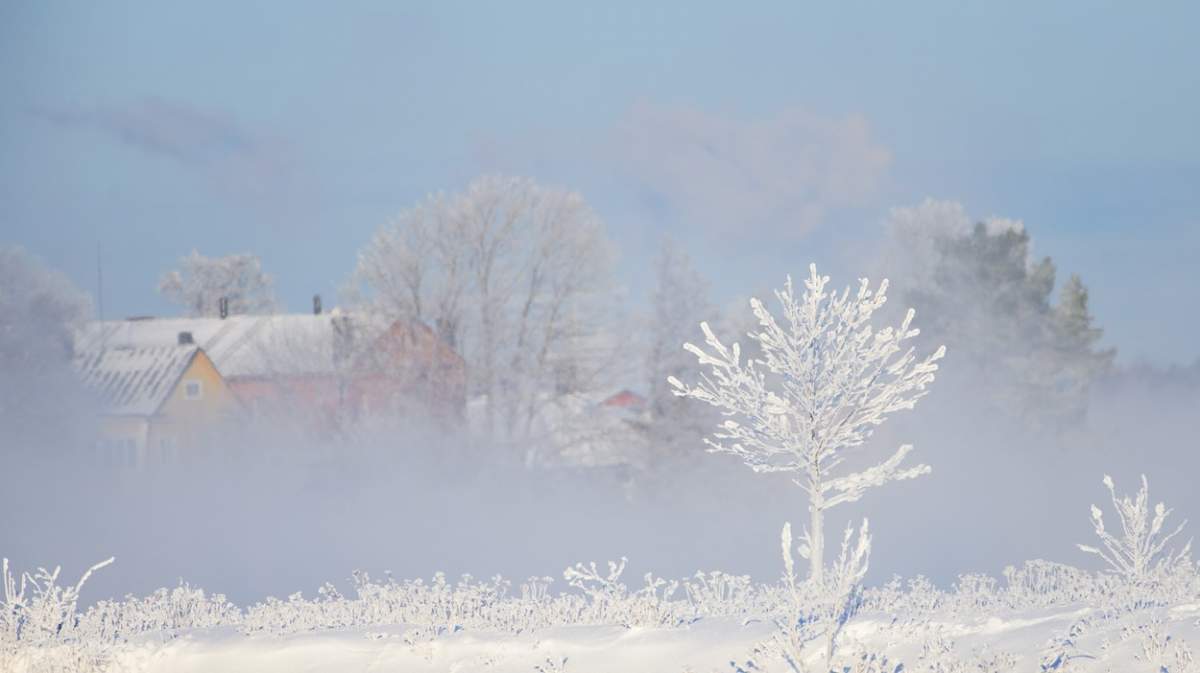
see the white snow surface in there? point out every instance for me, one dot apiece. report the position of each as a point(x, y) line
point(1018, 641)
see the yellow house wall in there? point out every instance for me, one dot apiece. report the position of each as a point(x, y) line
point(182, 423)
point(122, 440)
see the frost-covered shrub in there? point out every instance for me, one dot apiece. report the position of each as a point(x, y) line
point(1143, 569)
point(40, 624)
point(609, 601)
point(38, 609)
point(809, 626)
point(164, 612)
point(718, 594)
point(381, 603)
point(1140, 554)
point(975, 592)
point(1041, 583)
point(1158, 648)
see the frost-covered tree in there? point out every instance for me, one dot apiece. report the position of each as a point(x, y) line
point(1080, 360)
point(202, 282)
point(991, 301)
point(39, 310)
point(516, 276)
point(679, 302)
point(822, 384)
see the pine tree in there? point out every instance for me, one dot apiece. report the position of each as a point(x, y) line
point(991, 301)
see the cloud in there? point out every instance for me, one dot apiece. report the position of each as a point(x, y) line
point(180, 132)
point(236, 158)
point(784, 173)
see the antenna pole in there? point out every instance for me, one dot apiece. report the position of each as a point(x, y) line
point(99, 282)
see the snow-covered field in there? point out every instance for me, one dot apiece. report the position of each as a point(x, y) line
point(1016, 641)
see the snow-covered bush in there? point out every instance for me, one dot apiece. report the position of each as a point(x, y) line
point(164, 612)
point(40, 624)
point(715, 593)
point(610, 601)
point(808, 628)
point(824, 382)
point(39, 609)
point(437, 603)
point(1140, 554)
point(1041, 583)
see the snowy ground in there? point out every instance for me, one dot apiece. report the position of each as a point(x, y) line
point(1063, 638)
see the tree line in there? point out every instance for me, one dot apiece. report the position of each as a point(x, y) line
point(519, 278)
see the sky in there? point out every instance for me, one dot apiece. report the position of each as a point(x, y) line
point(762, 137)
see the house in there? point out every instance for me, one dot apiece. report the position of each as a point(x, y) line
point(320, 370)
point(153, 400)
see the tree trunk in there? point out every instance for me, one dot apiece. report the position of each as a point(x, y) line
point(816, 541)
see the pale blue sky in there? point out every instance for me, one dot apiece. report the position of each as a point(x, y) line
point(293, 130)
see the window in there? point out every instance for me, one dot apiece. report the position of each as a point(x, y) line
point(192, 390)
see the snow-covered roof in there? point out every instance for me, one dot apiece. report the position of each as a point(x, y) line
point(244, 346)
point(133, 381)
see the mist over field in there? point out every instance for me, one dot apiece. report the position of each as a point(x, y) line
point(277, 511)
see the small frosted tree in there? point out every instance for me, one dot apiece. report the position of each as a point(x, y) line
point(1140, 553)
point(821, 386)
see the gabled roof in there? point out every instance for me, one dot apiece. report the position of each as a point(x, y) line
point(133, 381)
point(245, 346)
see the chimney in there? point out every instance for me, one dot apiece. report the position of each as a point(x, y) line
point(185, 339)
point(316, 304)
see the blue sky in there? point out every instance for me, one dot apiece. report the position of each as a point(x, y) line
point(764, 137)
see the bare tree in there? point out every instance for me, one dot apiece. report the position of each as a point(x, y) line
point(679, 302)
point(821, 386)
point(512, 274)
point(203, 282)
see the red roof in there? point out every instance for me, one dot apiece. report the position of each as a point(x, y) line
point(626, 399)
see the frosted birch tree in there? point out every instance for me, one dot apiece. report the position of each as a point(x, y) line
point(824, 381)
point(515, 276)
point(201, 282)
